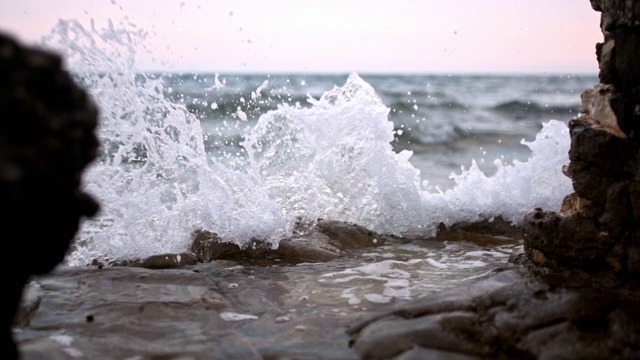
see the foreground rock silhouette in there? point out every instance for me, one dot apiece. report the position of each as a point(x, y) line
point(46, 140)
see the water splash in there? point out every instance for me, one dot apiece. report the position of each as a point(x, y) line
point(333, 160)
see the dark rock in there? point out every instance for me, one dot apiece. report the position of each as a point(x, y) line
point(495, 230)
point(600, 149)
point(328, 240)
point(590, 182)
point(510, 315)
point(161, 261)
point(46, 141)
point(617, 13)
point(132, 312)
point(618, 213)
point(573, 239)
point(209, 246)
point(313, 247)
point(347, 236)
point(634, 197)
point(593, 228)
point(420, 353)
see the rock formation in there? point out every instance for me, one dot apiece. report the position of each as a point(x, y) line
point(597, 227)
point(46, 140)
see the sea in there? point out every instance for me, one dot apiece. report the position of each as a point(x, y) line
point(254, 155)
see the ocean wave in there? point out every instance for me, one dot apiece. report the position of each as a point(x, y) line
point(519, 109)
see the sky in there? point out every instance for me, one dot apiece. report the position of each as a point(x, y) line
point(328, 36)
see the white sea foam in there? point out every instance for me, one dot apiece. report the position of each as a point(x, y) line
point(233, 317)
point(331, 160)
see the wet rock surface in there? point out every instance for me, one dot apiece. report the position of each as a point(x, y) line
point(515, 313)
point(238, 309)
point(326, 241)
point(199, 313)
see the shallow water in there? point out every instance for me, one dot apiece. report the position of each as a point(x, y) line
point(371, 278)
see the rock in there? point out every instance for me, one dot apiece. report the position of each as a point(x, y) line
point(328, 240)
point(596, 105)
point(572, 239)
point(420, 353)
point(617, 13)
point(496, 230)
point(209, 246)
point(313, 247)
point(187, 313)
point(46, 140)
point(595, 226)
point(347, 236)
point(506, 315)
point(162, 261)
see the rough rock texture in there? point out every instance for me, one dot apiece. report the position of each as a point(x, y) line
point(46, 140)
point(598, 227)
point(512, 314)
point(485, 231)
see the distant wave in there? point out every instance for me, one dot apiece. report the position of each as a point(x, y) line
point(521, 109)
point(404, 106)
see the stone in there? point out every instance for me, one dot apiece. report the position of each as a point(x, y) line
point(161, 261)
point(591, 229)
point(617, 13)
point(572, 239)
point(347, 236)
point(488, 231)
point(510, 314)
point(596, 108)
point(207, 246)
point(182, 313)
point(47, 138)
point(328, 240)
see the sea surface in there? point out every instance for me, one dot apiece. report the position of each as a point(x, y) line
point(445, 120)
point(253, 156)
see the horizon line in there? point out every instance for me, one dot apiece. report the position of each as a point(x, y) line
point(372, 73)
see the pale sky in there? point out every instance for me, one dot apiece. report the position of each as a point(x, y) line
point(391, 36)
